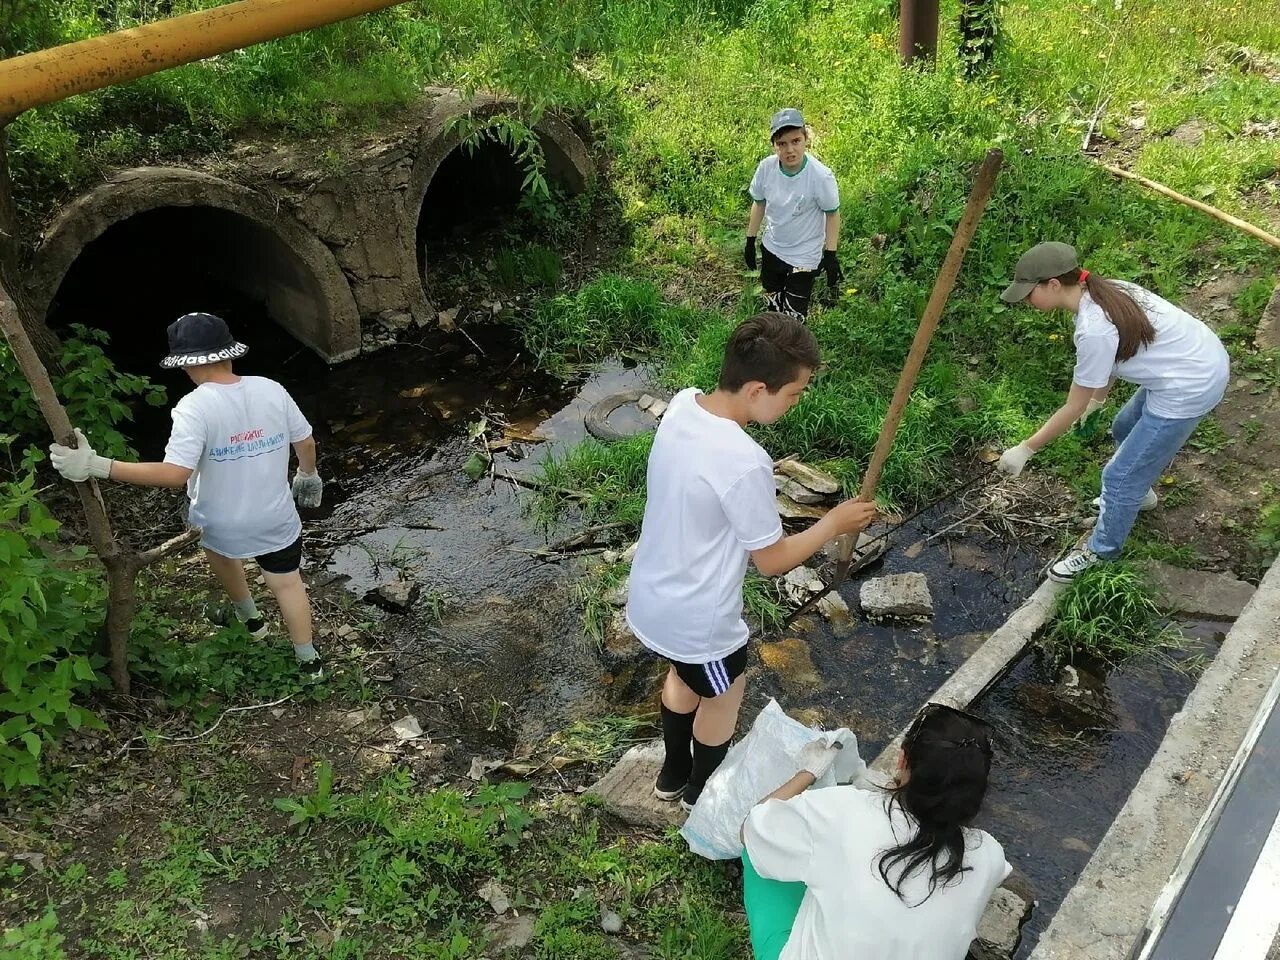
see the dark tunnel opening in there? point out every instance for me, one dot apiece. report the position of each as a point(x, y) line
point(143, 272)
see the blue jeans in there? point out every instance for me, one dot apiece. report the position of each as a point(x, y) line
point(1146, 446)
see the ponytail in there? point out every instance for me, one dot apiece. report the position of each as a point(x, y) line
point(948, 759)
point(1129, 319)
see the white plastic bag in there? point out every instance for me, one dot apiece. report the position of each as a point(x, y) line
point(757, 765)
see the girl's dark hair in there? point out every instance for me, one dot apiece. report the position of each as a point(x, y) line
point(770, 347)
point(948, 758)
point(1125, 314)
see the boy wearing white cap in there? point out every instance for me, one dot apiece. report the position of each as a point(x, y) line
point(230, 448)
point(796, 198)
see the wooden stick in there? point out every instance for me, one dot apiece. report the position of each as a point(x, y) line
point(1214, 212)
point(978, 197)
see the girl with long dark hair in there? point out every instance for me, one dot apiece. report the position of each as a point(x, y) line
point(1121, 332)
point(846, 873)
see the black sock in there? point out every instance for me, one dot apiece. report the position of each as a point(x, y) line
point(705, 761)
point(677, 733)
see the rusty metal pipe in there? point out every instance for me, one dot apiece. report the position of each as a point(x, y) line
point(918, 31)
point(50, 75)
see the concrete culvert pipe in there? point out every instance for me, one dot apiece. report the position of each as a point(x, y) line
point(456, 192)
point(140, 250)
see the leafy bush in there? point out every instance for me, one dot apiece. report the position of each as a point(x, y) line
point(1266, 537)
point(51, 610)
point(37, 940)
point(1108, 612)
point(94, 392)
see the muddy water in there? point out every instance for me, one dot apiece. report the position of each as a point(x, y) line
point(1065, 764)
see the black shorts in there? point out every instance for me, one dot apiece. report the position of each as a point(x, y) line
point(712, 679)
point(786, 289)
point(288, 560)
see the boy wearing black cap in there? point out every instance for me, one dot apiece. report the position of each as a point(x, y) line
point(796, 198)
point(230, 448)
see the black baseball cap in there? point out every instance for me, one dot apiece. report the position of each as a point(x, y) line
point(196, 339)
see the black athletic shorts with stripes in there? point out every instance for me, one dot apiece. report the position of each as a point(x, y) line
point(714, 678)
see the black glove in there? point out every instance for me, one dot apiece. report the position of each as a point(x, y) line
point(835, 276)
point(749, 253)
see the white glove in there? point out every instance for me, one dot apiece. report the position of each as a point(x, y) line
point(817, 756)
point(1014, 459)
point(308, 488)
point(79, 463)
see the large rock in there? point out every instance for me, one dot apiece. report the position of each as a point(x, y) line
point(904, 595)
point(1000, 928)
point(790, 510)
point(627, 789)
point(396, 595)
point(1216, 596)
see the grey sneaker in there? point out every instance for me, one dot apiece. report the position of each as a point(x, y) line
point(1074, 564)
point(312, 671)
point(223, 615)
point(1149, 502)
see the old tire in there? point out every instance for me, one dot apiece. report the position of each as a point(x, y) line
point(597, 418)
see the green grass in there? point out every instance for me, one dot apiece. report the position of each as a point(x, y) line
point(1108, 612)
point(388, 870)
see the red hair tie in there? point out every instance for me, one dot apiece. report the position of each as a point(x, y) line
point(1084, 275)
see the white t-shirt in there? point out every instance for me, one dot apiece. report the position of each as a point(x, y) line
point(1185, 369)
point(236, 437)
point(711, 501)
point(795, 209)
point(831, 841)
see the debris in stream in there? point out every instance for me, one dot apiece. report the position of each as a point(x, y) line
point(395, 595)
point(899, 595)
point(800, 583)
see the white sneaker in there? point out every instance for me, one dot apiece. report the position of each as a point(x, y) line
point(1149, 502)
point(1075, 563)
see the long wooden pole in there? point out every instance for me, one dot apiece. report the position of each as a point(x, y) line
point(54, 74)
point(1214, 212)
point(942, 286)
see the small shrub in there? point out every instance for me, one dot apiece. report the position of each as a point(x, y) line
point(37, 940)
point(1266, 536)
point(95, 393)
point(1108, 612)
point(51, 611)
point(1251, 301)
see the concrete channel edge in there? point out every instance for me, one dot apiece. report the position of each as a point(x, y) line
point(1107, 911)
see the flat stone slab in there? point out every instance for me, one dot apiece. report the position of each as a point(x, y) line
point(796, 490)
point(1215, 596)
point(819, 481)
point(790, 510)
point(897, 595)
point(627, 789)
point(1000, 928)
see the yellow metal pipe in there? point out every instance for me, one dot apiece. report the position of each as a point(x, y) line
point(60, 72)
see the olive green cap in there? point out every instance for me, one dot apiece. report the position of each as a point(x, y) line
point(1041, 262)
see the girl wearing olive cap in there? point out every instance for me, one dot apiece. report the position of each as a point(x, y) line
point(1124, 332)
